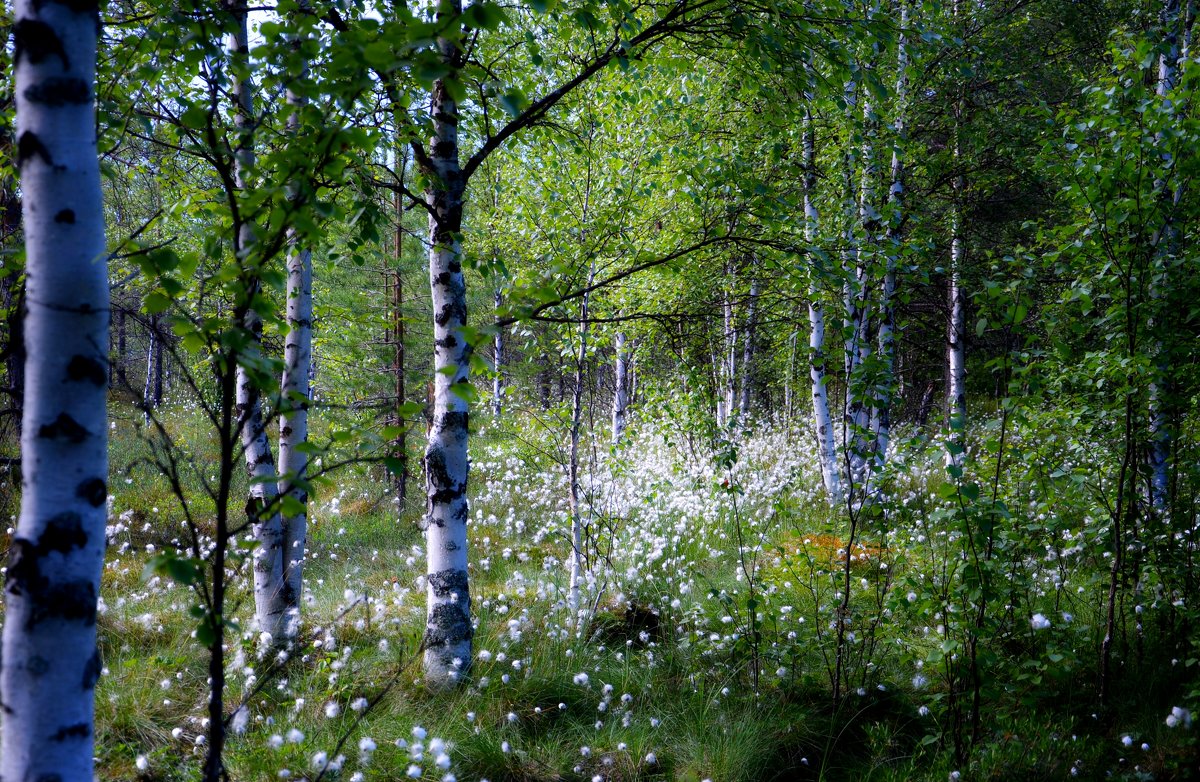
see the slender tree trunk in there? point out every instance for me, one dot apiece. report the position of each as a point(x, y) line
point(822, 423)
point(122, 347)
point(856, 292)
point(262, 505)
point(725, 406)
point(577, 526)
point(295, 396)
point(157, 391)
point(448, 629)
point(747, 379)
point(1166, 247)
point(956, 363)
point(895, 238)
point(397, 338)
point(49, 654)
point(956, 353)
point(620, 386)
point(151, 353)
point(498, 363)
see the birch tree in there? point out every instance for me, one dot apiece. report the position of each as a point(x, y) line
point(894, 239)
point(50, 659)
point(822, 423)
point(294, 388)
point(620, 386)
point(270, 608)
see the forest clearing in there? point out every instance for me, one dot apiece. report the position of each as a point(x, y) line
point(698, 390)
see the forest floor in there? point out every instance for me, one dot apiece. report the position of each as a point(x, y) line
point(710, 650)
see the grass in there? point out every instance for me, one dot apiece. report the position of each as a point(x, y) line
point(667, 656)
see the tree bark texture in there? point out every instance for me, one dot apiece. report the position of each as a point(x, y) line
point(817, 357)
point(448, 628)
point(50, 659)
point(620, 386)
point(262, 504)
point(295, 396)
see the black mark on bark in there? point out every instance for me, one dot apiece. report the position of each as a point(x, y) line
point(38, 41)
point(94, 490)
point(30, 145)
point(79, 730)
point(66, 428)
point(59, 91)
point(89, 369)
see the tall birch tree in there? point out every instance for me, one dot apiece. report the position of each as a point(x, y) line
point(50, 659)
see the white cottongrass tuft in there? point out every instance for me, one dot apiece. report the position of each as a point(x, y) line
point(1179, 716)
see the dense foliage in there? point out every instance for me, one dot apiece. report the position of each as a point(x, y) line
point(596, 389)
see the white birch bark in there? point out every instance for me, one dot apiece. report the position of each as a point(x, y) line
point(148, 386)
point(448, 628)
point(887, 306)
point(729, 360)
point(620, 386)
point(956, 357)
point(1166, 246)
point(295, 395)
point(956, 351)
point(857, 318)
point(50, 659)
point(577, 525)
point(747, 373)
point(262, 504)
point(822, 423)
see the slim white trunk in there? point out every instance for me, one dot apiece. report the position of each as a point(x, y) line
point(822, 423)
point(887, 306)
point(620, 386)
point(293, 427)
point(262, 504)
point(577, 525)
point(747, 373)
point(49, 654)
point(295, 397)
point(956, 352)
point(956, 364)
point(856, 415)
point(728, 361)
point(498, 363)
point(1166, 246)
point(148, 386)
point(448, 628)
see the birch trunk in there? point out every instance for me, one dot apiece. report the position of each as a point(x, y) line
point(577, 525)
point(295, 396)
point(262, 504)
point(49, 654)
point(498, 362)
point(822, 424)
point(620, 387)
point(956, 352)
point(747, 374)
point(148, 386)
point(1166, 247)
point(887, 306)
point(956, 364)
point(857, 412)
point(728, 362)
point(397, 337)
point(448, 628)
